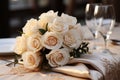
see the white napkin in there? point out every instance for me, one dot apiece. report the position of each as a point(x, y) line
point(102, 66)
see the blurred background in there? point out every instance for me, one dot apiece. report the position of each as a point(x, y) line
point(15, 13)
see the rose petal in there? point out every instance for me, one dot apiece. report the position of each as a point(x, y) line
point(34, 42)
point(58, 57)
point(31, 60)
point(52, 40)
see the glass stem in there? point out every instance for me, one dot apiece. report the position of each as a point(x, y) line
point(106, 38)
point(94, 42)
point(105, 43)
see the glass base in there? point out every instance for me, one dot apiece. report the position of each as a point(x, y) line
point(107, 51)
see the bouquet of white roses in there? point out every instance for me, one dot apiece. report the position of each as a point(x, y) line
point(53, 38)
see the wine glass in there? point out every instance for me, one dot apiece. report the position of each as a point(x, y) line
point(105, 20)
point(90, 20)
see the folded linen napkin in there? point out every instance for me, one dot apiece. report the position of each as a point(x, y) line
point(102, 66)
point(78, 70)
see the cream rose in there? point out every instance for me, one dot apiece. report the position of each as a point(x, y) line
point(47, 18)
point(20, 44)
point(31, 27)
point(79, 30)
point(72, 38)
point(52, 40)
point(58, 25)
point(34, 42)
point(70, 20)
point(31, 60)
point(58, 57)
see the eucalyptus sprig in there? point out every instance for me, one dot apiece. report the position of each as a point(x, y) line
point(82, 49)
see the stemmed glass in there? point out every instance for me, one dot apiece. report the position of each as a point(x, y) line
point(90, 20)
point(105, 20)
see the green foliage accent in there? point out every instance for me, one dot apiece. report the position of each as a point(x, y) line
point(43, 31)
point(82, 49)
point(46, 28)
point(20, 32)
point(16, 59)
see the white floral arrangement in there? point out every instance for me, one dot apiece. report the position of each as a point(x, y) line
point(51, 39)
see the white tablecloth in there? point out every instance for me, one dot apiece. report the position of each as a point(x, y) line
point(101, 66)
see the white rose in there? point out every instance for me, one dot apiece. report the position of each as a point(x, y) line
point(70, 20)
point(52, 40)
point(79, 30)
point(31, 27)
point(20, 44)
point(31, 60)
point(75, 26)
point(58, 25)
point(34, 42)
point(58, 57)
point(72, 38)
point(47, 18)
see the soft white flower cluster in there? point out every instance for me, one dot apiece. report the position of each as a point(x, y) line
point(63, 33)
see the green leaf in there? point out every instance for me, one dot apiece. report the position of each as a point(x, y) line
point(20, 32)
point(15, 59)
point(46, 28)
point(82, 49)
point(42, 31)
